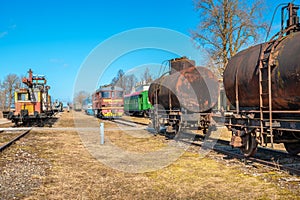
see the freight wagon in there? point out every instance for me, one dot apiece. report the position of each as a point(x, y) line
point(137, 103)
point(184, 97)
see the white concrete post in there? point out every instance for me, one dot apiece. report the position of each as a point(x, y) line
point(101, 133)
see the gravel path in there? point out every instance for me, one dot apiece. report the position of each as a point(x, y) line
point(21, 172)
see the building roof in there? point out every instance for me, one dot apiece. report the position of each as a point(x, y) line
point(109, 88)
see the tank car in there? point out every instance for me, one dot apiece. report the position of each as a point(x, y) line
point(262, 82)
point(183, 98)
point(108, 102)
point(32, 103)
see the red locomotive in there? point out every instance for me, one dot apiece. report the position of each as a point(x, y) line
point(32, 103)
point(108, 103)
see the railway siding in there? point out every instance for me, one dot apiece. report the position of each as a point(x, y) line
point(58, 166)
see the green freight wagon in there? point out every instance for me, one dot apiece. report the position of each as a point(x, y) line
point(137, 104)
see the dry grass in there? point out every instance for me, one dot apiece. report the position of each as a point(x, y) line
point(137, 119)
point(5, 137)
point(6, 125)
point(65, 121)
point(140, 145)
point(75, 174)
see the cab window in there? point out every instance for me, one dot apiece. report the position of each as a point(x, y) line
point(105, 94)
point(22, 97)
point(119, 94)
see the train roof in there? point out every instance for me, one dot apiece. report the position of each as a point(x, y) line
point(139, 89)
point(132, 94)
point(109, 88)
point(135, 93)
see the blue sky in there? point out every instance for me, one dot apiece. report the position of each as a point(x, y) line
point(55, 38)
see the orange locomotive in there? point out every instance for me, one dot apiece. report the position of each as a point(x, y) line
point(32, 103)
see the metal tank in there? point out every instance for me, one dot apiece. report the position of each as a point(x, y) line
point(195, 89)
point(241, 76)
point(178, 64)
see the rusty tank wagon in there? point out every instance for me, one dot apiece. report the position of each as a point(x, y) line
point(262, 83)
point(184, 97)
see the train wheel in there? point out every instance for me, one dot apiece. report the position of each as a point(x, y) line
point(177, 129)
point(250, 145)
point(156, 115)
point(292, 148)
point(157, 127)
point(16, 121)
point(145, 114)
point(155, 123)
point(10, 115)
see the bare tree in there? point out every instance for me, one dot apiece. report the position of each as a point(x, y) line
point(79, 97)
point(130, 82)
point(228, 25)
point(2, 96)
point(146, 76)
point(119, 79)
point(124, 81)
point(10, 84)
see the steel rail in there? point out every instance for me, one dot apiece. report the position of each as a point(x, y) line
point(140, 123)
point(274, 165)
point(14, 140)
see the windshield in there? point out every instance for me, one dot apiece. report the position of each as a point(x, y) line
point(105, 94)
point(22, 97)
point(119, 94)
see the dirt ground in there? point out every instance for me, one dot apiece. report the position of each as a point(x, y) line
point(57, 163)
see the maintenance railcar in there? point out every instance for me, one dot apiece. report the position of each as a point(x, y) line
point(108, 102)
point(33, 102)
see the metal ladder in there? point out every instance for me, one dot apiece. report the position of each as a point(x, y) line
point(265, 90)
point(266, 64)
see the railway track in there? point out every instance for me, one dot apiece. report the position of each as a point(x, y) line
point(276, 159)
point(134, 123)
point(12, 135)
point(125, 122)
